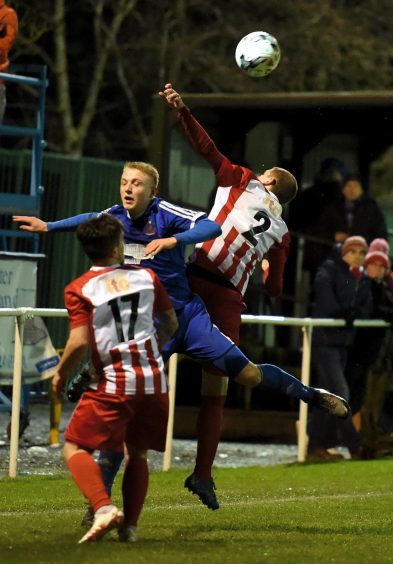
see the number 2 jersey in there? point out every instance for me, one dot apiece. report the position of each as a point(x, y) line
point(249, 215)
point(119, 304)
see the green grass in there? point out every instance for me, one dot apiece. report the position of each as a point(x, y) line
point(340, 512)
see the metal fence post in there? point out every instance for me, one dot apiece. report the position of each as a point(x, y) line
point(303, 408)
point(166, 461)
point(16, 393)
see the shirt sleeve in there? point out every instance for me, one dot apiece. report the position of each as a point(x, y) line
point(226, 172)
point(277, 256)
point(70, 223)
point(177, 219)
point(79, 309)
point(204, 230)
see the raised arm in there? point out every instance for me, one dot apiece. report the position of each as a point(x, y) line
point(198, 136)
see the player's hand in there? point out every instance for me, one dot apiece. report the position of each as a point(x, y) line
point(58, 385)
point(159, 245)
point(30, 223)
point(265, 269)
point(172, 97)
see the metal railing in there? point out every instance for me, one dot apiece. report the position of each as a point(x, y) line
point(24, 204)
point(306, 324)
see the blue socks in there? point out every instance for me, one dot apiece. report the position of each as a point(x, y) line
point(277, 379)
point(109, 463)
point(273, 378)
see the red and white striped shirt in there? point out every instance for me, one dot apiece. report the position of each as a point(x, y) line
point(118, 304)
point(249, 215)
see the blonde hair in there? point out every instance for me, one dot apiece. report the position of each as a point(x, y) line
point(147, 168)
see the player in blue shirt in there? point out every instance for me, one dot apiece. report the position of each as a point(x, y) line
point(155, 233)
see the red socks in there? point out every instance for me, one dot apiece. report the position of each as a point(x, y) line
point(87, 476)
point(134, 487)
point(209, 425)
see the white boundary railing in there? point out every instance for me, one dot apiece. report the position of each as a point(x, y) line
point(306, 324)
point(21, 315)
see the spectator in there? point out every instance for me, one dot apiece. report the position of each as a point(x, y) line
point(354, 213)
point(8, 33)
point(383, 246)
point(370, 359)
point(341, 291)
point(380, 245)
point(306, 210)
point(129, 402)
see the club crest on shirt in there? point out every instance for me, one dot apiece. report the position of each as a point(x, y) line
point(150, 228)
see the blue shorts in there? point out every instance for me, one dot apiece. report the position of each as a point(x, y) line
point(197, 336)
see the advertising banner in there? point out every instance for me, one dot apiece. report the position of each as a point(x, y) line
point(18, 286)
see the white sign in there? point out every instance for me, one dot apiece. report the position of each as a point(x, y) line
point(18, 285)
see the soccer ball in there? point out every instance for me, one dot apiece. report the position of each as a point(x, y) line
point(258, 53)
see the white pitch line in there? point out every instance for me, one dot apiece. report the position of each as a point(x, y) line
point(224, 504)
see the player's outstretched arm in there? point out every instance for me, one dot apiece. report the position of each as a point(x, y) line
point(30, 223)
point(39, 226)
point(172, 98)
point(197, 135)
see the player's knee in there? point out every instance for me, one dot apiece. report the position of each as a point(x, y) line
point(134, 452)
point(213, 384)
point(249, 376)
point(70, 449)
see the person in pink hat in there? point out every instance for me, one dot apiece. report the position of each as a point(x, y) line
point(341, 291)
point(370, 357)
point(380, 245)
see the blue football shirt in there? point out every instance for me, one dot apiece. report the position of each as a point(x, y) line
point(161, 219)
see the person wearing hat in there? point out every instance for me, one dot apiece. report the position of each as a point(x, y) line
point(341, 291)
point(354, 213)
point(381, 245)
point(370, 357)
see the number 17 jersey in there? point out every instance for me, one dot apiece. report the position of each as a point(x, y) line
point(118, 305)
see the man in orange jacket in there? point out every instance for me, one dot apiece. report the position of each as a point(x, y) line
point(8, 32)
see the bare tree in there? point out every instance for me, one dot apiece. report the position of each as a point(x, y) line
point(106, 58)
point(106, 24)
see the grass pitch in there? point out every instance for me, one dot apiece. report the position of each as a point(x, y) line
point(340, 512)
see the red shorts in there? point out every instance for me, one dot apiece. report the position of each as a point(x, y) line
point(101, 421)
point(224, 305)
